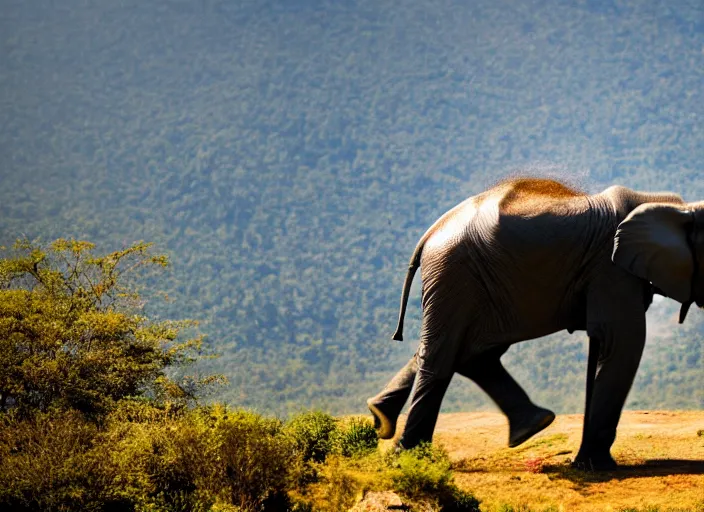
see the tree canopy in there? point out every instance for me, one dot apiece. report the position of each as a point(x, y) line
point(73, 334)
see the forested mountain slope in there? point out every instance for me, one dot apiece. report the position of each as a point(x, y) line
point(287, 155)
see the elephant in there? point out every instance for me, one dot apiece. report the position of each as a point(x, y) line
point(527, 258)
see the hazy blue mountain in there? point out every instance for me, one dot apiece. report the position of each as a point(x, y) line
point(288, 154)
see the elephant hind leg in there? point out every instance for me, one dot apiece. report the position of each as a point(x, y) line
point(443, 331)
point(425, 407)
point(525, 418)
point(387, 405)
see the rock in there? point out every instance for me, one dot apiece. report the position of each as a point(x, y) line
point(380, 502)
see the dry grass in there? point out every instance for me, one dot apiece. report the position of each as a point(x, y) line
point(661, 453)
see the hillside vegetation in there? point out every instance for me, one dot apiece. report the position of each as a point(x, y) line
point(287, 155)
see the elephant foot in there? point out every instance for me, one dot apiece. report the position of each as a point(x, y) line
point(526, 426)
point(603, 462)
point(385, 426)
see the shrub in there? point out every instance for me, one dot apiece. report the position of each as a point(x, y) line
point(357, 436)
point(339, 488)
point(256, 458)
point(165, 461)
point(424, 473)
point(73, 334)
point(314, 434)
point(207, 458)
point(47, 463)
point(421, 471)
point(146, 458)
point(91, 418)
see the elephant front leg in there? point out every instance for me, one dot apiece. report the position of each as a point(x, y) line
point(619, 343)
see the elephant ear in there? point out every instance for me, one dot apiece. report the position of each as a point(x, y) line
point(651, 243)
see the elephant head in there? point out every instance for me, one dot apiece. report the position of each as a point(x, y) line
point(664, 244)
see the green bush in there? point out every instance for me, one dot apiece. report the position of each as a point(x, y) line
point(257, 457)
point(338, 487)
point(421, 471)
point(62, 461)
point(145, 458)
point(357, 436)
point(74, 336)
point(208, 457)
point(424, 473)
point(48, 462)
point(165, 462)
point(314, 434)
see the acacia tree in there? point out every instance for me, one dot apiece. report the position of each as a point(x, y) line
point(73, 334)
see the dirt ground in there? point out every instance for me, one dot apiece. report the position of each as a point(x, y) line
point(661, 454)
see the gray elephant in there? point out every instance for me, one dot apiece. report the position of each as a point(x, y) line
point(531, 257)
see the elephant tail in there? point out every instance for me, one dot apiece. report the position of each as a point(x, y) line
point(412, 267)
